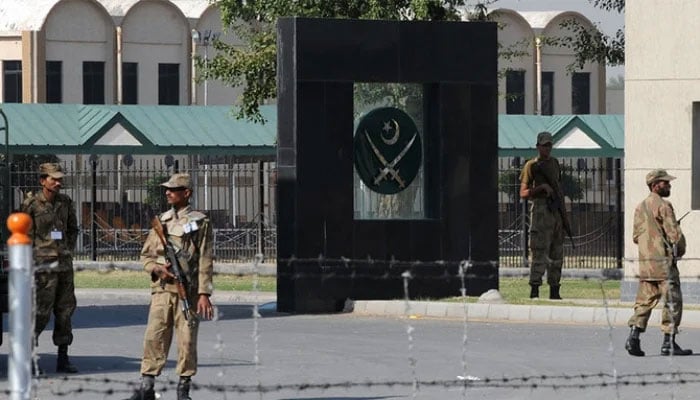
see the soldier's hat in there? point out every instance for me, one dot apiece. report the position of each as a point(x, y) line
point(544, 138)
point(658, 175)
point(178, 181)
point(51, 169)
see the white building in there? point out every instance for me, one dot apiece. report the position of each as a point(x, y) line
point(542, 67)
point(108, 51)
point(140, 52)
point(662, 119)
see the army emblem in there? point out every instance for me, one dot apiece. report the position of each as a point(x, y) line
point(388, 150)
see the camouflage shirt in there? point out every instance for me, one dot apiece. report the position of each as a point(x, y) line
point(533, 174)
point(54, 230)
point(655, 232)
point(191, 233)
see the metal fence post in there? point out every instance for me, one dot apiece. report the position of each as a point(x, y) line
point(523, 234)
point(261, 208)
point(618, 211)
point(93, 208)
point(20, 297)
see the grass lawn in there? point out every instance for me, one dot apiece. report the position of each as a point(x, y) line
point(513, 290)
point(121, 279)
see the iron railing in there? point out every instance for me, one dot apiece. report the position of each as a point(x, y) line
point(116, 197)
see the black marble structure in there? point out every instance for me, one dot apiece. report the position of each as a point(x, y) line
point(319, 60)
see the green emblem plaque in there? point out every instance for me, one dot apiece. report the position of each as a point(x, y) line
point(388, 150)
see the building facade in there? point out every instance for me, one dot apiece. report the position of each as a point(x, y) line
point(141, 52)
point(535, 76)
point(662, 120)
point(109, 52)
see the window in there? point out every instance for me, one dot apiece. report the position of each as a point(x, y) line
point(93, 82)
point(515, 92)
point(581, 93)
point(54, 82)
point(169, 84)
point(130, 93)
point(547, 93)
point(12, 81)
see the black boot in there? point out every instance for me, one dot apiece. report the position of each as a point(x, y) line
point(632, 344)
point(183, 388)
point(534, 292)
point(62, 362)
point(146, 391)
point(554, 293)
point(37, 371)
point(670, 344)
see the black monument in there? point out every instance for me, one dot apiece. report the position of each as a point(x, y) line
point(340, 168)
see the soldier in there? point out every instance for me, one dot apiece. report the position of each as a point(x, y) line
point(540, 182)
point(191, 233)
point(54, 233)
point(660, 241)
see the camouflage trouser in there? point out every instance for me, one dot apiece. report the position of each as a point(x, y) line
point(55, 292)
point(164, 317)
point(648, 296)
point(546, 245)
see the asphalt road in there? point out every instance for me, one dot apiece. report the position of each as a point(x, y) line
point(353, 357)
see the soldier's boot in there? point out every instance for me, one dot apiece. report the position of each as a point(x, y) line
point(63, 363)
point(554, 293)
point(669, 346)
point(36, 370)
point(632, 344)
point(147, 390)
point(534, 291)
point(183, 388)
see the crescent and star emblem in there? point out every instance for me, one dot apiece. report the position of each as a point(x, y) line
point(387, 127)
point(387, 150)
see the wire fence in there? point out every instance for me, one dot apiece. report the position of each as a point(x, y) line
point(668, 379)
point(115, 197)
point(594, 190)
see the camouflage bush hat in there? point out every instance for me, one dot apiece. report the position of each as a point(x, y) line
point(658, 175)
point(178, 181)
point(544, 138)
point(51, 169)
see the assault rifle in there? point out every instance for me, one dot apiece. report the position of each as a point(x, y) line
point(555, 203)
point(171, 255)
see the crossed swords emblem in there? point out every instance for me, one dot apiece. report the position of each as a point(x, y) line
point(389, 168)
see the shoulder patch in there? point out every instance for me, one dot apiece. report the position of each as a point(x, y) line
point(166, 216)
point(196, 216)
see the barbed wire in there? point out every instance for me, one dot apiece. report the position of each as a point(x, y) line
point(107, 386)
point(330, 267)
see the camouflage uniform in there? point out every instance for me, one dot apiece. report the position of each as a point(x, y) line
point(191, 232)
point(656, 231)
point(546, 228)
point(54, 233)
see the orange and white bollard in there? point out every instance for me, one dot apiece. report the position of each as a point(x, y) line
point(19, 247)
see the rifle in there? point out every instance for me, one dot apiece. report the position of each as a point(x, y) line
point(555, 202)
point(180, 278)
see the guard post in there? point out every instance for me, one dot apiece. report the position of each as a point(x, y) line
point(20, 256)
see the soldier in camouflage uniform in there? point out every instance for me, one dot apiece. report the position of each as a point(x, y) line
point(539, 180)
point(54, 233)
point(191, 233)
point(660, 240)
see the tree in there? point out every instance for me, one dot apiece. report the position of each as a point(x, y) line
point(591, 45)
point(155, 200)
point(253, 65)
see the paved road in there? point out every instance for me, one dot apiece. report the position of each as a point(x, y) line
point(363, 357)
